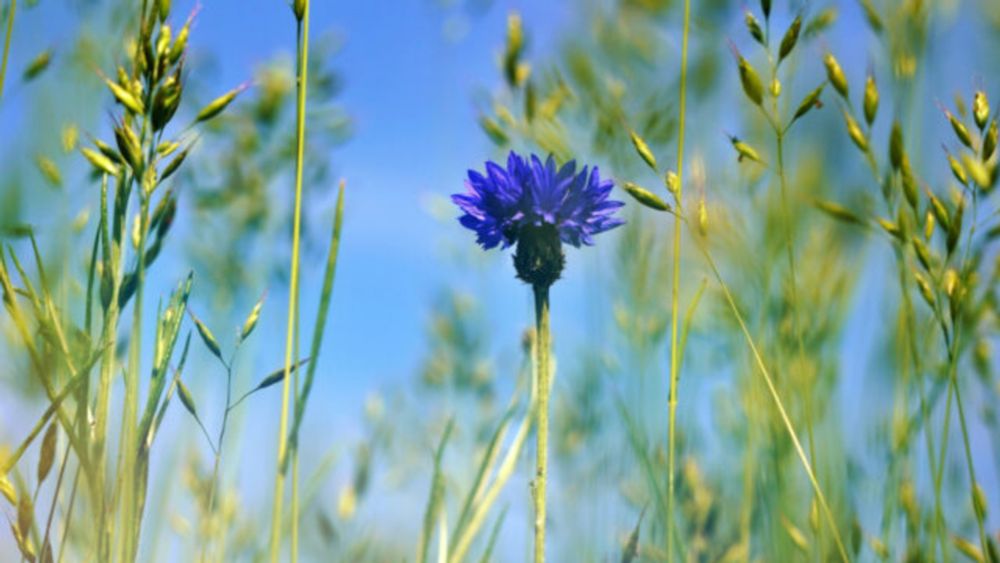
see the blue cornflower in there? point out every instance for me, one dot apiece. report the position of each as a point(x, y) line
point(537, 206)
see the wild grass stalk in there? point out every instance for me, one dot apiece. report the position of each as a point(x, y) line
point(301, 10)
point(778, 403)
point(6, 43)
point(675, 287)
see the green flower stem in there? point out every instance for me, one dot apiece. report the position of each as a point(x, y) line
point(293, 290)
point(544, 369)
point(674, 308)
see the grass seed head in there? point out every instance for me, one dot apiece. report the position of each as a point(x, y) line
point(790, 39)
point(125, 98)
point(206, 336)
point(99, 161)
point(218, 105)
point(750, 80)
point(909, 182)
point(835, 75)
point(809, 102)
point(980, 109)
point(47, 454)
point(855, 132)
point(753, 26)
point(956, 168)
point(990, 140)
point(743, 150)
point(252, 318)
point(7, 490)
point(643, 149)
point(37, 65)
point(961, 131)
point(871, 99)
point(645, 197)
point(896, 149)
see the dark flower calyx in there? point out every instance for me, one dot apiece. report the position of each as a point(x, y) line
point(539, 258)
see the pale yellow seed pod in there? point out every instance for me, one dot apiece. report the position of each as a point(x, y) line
point(855, 132)
point(949, 283)
point(961, 131)
point(702, 217)
point(835, 74)
point(643, 149)
point(980, 109)
point(752, 85)
point(775, 87)
point(673, 183)
point(957, 170)
point(218, 105)
point(929, 224)
point(871, 99)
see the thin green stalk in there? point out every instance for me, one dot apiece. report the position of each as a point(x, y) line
point(675, 289)
point(293, 290)
point(544, 388)
point(6, 44)
point(789, 427)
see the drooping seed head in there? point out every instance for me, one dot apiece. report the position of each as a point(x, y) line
point(896, 149)
point(753, 26)
point(645, 197)
point(855, 132)
point(835, 74)
point(643, 149)
point(980, 109)
point(871, 99)
point(990, 140)
point(790, 39)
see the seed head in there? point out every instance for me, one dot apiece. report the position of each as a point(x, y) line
point(990, 140)
point(980, 109)
point(835, 75)
point(896, 149)
point(855, 132)
point(753, 26)
point(645, 197)
point(790, 39)
point(643, 149)
point(871, 99)
point(749, 78)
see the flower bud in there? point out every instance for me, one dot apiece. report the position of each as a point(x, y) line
point(539, 258)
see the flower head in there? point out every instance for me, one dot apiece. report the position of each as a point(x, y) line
point(538, 206)
point(501, 203)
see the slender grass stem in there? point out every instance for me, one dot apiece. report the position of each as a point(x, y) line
point(293, 290)
point(6, 44)
point(544, 364)
point(674, 292)
point(779, 404)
